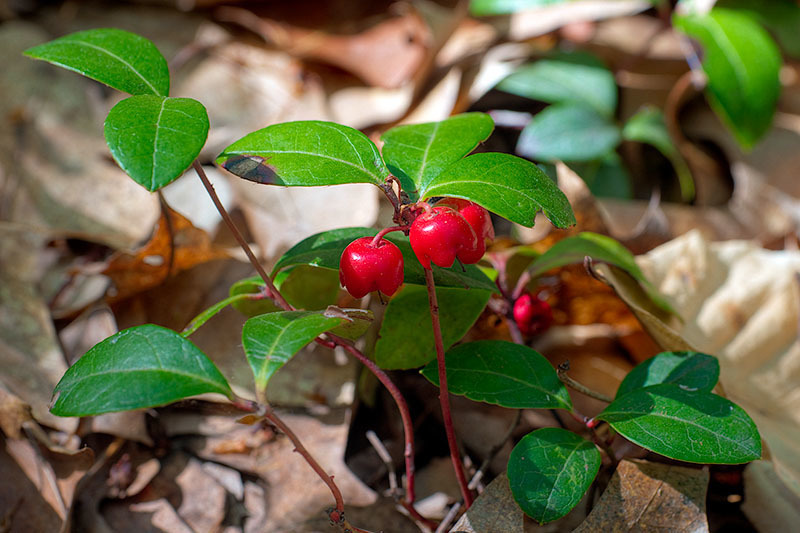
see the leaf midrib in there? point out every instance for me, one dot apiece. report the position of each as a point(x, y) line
point(118, 58)
point(262, 153)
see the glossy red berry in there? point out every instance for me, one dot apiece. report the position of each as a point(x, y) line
point(365, 267)
point(532, 315)
point(440, 235)
point(480, 221)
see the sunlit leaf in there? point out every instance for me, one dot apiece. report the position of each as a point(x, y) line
point(689, 370)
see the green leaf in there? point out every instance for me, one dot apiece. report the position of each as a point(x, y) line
point(270, 340)
point(305, 153)
point(606, 177)
point(504, 184)
point(742, 63)
point(550, 470)
point(505, 7)
point(251, 285)
point(502, 373)
point(692, 426)
point(325, 250)
point(648, 126)
point(417, 153)
point(117, 58)
point(781, 17)
point(577, 78)
point(356, 323)
point(310, 288)
point(600, 248)
point(691, 371)
point(198, 321)
point(155, 138)
point(568, 132)
point(139, 367)
point(406, 334)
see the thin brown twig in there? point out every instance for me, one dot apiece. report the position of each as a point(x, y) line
point(444, 395)
point(562, 370)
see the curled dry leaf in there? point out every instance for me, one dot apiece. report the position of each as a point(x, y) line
point(742, 304)
point(645, 496)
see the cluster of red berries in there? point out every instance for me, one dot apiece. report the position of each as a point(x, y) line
point(452, 229)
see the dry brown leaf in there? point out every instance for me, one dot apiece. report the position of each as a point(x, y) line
point(175, 246)
point(645, 496)
point(494, 511)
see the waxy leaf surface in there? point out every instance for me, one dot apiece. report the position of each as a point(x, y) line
point(270, 340)
point(417, 153)
point(689, 370)
point(506, 185)
point(742, 63)
point(692, 426)
point(568, 132)
point(305, 153)
point(325, 250)
point(406, 334)
point(117, 58)
point(550, 470)
point(502, 373)
point(139, 367)
point(155, 138)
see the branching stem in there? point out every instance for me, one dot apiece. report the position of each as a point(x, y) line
point(444, 396)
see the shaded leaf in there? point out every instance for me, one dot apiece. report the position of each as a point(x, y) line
point(600, 248)
point(692, 426)
point(578, 78)
point(568, 132)
point(606, 177)
point(406, 334)
point(120, 59)
point(252, 285)
point(305, 153)
point(504, 184)
point(688, 370)
point(502, 373)
point(549, 470)
point(417, 153)
point(644, 496)
point(356, 323)
point(139, 367)
point(325, 250)
point(270, 340)
point(648, 126)
point(742, 62)
point(504, 7)
point(155, 138)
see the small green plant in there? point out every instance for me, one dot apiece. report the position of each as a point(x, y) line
point(665, 404)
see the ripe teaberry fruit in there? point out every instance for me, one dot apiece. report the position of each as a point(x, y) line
point(365, 267)
point(440, 235)
point(478, 218)
point(532, 314)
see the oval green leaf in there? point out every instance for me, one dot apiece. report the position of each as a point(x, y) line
point(417, 153)
point(504, 184)
point(270, 340)
point(502, 373)
point(606, 177)
point(600, 248)
point(305, 153)
point(577, 77)
point(742, 63)
point(139, 367)
point(692, 426)
point(117, 58)
point(780, 17)
point(693, 371)
point(154, 138)
point(568, 132)
point(252, 285)
point(406, 334)
point(325, 250)
point(550, 470)
point(648, 126)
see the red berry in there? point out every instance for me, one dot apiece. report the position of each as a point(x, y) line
point(365, 267)
point(440, 235)
point(532, 315)
point(477, 216)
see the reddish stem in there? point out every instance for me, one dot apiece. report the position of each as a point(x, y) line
point(383, 232)
point(444, 396)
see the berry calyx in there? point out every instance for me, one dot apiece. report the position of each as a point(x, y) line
point(480, 221)
point(532, 314)
point(367, 266)
point(440, 235)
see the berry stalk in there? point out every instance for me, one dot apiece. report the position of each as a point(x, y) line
point(444, 395)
